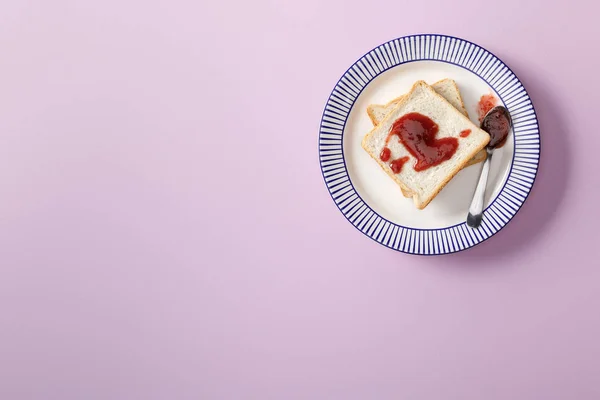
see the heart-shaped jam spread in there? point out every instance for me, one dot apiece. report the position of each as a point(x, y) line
point(418, 135)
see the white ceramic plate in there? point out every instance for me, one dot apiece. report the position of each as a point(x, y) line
point(364, 193)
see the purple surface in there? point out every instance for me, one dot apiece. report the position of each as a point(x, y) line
point(165, 232)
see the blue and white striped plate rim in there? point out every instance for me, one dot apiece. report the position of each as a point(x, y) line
point(459, 52)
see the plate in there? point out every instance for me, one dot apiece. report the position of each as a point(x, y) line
point(371, 201)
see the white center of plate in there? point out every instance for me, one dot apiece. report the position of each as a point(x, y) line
point(379, 191)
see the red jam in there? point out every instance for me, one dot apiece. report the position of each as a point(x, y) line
point(465, 133)
point(486, 103)
point(397, 164)
point(385, 154)
point(418, 134)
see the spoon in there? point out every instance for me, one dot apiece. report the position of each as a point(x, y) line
point(497, 123)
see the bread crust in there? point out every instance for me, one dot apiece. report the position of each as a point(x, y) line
point(462, 103)
point(405, 189)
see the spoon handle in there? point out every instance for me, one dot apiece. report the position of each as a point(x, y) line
point(476, 209)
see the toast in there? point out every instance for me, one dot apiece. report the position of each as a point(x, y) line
point(424, 185)
point(448, 89)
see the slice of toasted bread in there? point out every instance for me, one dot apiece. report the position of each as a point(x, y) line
point(447, 88)
point(425, 185)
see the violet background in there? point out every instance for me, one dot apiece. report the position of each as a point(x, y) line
point(165, 232)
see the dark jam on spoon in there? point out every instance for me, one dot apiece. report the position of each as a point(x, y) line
point(418, 135)
point(497, 125)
